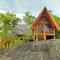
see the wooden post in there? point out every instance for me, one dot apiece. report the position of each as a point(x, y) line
point(36, 33)
point(1, 45)
point(36, 36)
point(54, 33)
point(44, 35)
point(33, 36)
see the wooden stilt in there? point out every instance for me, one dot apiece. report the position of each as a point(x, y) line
point(54, 33)
point(44, 35)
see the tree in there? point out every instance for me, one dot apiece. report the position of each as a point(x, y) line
point(28, 18)
point(8, 21)
point(50, 11)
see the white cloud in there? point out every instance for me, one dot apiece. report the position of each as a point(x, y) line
point(19, 15)
point(2, 11)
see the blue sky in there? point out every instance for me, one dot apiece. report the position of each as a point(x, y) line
point(34, 6)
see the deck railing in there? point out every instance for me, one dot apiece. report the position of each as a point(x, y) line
point(50, 31)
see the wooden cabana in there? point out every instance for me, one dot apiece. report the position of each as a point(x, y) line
point(44, 27)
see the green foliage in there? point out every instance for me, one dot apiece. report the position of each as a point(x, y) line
point(7, 22)
point(15, 41)
point(58, 35)
point(57, 19)
point(28, 18)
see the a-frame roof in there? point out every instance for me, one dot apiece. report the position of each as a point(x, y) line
point(50, 18)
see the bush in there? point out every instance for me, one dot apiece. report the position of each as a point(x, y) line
point(58, 35)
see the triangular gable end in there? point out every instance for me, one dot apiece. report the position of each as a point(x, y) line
point(50, 18)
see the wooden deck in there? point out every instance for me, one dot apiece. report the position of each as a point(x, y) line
point(49, 33)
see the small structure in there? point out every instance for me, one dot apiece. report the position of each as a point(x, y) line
point(22, 31)
point(44, 26)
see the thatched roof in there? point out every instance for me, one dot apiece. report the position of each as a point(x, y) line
point(22, 29)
